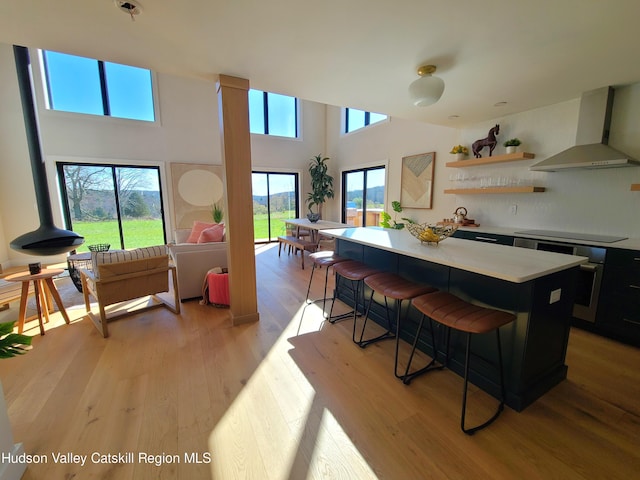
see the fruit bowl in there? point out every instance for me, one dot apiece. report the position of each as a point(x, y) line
point(431, 233)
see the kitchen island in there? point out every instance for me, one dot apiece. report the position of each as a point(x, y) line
point(537, 286)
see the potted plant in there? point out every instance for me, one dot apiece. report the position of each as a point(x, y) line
point(11, 344)
point(385, 218)
point(460, 151)
point(512, 145)
point(216, 213)
point(321, 186)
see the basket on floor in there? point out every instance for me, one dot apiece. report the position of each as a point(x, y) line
point(100, 247)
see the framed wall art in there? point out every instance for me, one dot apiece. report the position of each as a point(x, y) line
point(195, 189)
point(417, 180)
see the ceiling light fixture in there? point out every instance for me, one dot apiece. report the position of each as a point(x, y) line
point(131, 7)
point(428, 89)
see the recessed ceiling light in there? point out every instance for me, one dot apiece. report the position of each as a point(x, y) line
point(500, 104)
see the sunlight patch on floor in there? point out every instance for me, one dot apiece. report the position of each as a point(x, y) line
point(303, 440)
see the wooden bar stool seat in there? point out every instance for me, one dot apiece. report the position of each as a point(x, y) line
point(397, 288)
point(355, 272)
point(326, 259)
point(455, 313)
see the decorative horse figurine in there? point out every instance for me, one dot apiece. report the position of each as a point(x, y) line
point(490, 142)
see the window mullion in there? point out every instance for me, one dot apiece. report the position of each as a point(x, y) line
point(104, 89)
point(266, 113)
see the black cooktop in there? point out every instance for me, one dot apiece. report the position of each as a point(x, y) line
point(574, 236)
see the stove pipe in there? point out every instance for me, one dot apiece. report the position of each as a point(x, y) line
point(46, 239)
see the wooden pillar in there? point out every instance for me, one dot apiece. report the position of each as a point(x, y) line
point(233, 105)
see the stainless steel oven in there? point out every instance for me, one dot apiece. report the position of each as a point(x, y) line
point(590, 278)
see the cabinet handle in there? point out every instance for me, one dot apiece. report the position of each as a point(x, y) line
point(635, 286)
point(487, 239)
point(636, 259)
point(630, 321)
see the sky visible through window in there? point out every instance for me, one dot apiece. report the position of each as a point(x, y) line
point(280, 119)
point(74, 86)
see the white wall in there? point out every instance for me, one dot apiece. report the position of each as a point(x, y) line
point(385, 143)
point(188, 132)
point(593, 201)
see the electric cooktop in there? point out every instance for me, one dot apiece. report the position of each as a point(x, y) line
point(574, 236)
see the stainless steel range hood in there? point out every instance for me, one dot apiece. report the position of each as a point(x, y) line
point(592, 138)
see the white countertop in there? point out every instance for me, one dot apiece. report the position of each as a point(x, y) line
point(508, 263)
point(627, 244)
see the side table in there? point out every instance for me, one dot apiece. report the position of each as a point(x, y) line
point(42, 284)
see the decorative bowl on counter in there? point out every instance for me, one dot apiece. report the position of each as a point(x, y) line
point(431, 233)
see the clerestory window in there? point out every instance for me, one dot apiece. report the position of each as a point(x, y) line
point(273, 114)
point(357, 119)
point(90, 86)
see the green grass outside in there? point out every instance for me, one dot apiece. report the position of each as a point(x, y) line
point(137, 233)
point(144, 233)
point(261, 225)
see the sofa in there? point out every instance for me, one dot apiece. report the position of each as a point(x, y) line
point(193, 261)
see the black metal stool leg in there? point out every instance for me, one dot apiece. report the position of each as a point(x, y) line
point(471, 431)
point(313, 269)
point(388, 334)
point(407, 377)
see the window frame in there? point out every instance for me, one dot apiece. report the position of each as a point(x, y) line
point(44, 94)
point(265, 113)
point(58, 163)
point(367, 120)
point(364, 169)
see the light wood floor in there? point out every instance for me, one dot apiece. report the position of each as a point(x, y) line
point(293, 398)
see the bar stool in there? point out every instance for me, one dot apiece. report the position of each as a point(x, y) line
point(327, 259)
point(397, 288)
point(355, 272)
point(455, 313)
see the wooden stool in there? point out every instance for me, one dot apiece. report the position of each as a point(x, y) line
point(298, 244)
point(325, 259)
point(355, 272)
point(398, 288)
point(455, 313)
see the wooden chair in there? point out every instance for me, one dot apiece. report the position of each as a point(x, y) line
point(127, 278)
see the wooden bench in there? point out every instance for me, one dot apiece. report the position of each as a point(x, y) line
point(297, 244)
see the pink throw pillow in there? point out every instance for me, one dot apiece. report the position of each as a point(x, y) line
point(212, 234)
point(197, 229)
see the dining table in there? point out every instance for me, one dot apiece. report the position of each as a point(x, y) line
point(314, 228)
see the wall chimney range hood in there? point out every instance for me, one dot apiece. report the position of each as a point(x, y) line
point(591, 150)
point(47, 239)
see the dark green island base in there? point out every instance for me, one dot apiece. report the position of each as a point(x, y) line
point(534, 346)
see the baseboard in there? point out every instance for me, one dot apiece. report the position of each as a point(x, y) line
point(13, 471)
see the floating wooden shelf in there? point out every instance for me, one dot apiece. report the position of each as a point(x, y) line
point(509, 157)
point(635, 187)
point(475, 191)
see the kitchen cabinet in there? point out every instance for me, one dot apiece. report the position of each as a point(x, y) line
point(619, 307)
point(485, 237)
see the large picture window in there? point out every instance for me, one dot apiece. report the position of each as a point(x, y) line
point(85, 85)
point(113, 204)
point(363, 196)
point(273, 114)
point(275, 199)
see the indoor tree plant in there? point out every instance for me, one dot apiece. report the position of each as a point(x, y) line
point(11, 344)
point(321, 186)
